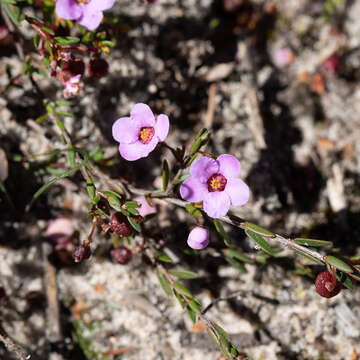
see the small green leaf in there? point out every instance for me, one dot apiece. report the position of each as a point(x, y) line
point(181, 274)
point(111, 193)
point(259, 240)
point(64, 113)
point(163, 257)
point(62, 103)
point(66, 40)
point(133, 211)
point(236, 264)
point(307, 256)
point(257, 229)
point(193, 210)
point(345, 280)
point(221, 231)
point(200, 140)
point(194, 306)
point(312, 242)
point(165, 174)
point(91, 189)
point(238, 255)
point(339, 264)
point(191, 313)
point(164, 284)
point(185, 291)
point(14, 13)
point(134, 224)
point(114, 202)
point(132, 204)
point(52, 181)
point(181, 179)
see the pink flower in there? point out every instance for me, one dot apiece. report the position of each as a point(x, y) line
point(284, 57)
point(88, 13)
point(60, 228)
point(139, 134)
point(145, 208)
point(198, 238)
point(215, 183)
point(73, 86)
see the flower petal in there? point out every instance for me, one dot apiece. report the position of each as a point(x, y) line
point(198, 238)
point(100, 5)
point(203, 168)
point(162, 127)
point(238, 192)
point(216, 204)
point(68, 9)
point(143, 114)
point(193, 190)
point(125, 130)
point(229, 166)
point(145, 208)
point(137, 149)
point(90, 19)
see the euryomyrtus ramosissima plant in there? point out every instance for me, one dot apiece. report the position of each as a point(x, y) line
point(139, 134)
point(88, 13)
point(215, 183)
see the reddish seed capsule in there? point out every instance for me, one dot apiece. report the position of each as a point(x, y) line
point(121, 255)
point(81, 253)
point(120, 225)
point(98, 67)
point(325, 285)
point(72, 68)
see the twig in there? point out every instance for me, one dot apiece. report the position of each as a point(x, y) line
point(12, 347)
point(53, 328)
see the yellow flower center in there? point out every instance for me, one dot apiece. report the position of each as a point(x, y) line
point(216, 182)
point(146, 134)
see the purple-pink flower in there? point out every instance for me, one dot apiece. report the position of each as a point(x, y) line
point(139, 134)
point(145, 208)
point(215, 183)
point(88, 13)
point(198, 238)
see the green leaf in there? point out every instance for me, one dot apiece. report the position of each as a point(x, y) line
point(62, 103)
point(64, 113)
point(134, 224)
point(133, 211)
point(236, 264)
point(14, 13)
point(312, 242)
point(200, 140)
point(164, 284)
point(165, 174)
point(307, 256)
point(114, 202)
point(132, 204)
point(345, 280)
point(238, 255)
point(191, 313)
point(6, 194)
point(53, 181)
point(181, 179)
point(111, 193)
point(259, 240)
point(221, 231)
point(163, 257)
point(149, 217)
point(194, 306)
point(257, 229)
point(91, 189)
point(41, 118)
point(66, 40)
point(185, 291)
point(339, 264)
point(8, 1)
point(193, 210)
point(181, 274)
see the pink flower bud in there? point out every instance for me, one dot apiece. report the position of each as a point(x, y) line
point(198, 238)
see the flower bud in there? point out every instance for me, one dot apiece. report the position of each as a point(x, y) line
point(326, 285)
point(120, 225)
point(198, 238)
point(121, 255)
point(81, 253)
point(72, 68)
point(98, 67)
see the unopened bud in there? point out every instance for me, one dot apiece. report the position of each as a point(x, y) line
point(198, 238)
point(120, 225)
point(81, 253)
point(121, 255)
point(326, 285)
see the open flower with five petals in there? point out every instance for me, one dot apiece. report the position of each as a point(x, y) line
point(139, 134)
point(88, 13)
point(215, 182)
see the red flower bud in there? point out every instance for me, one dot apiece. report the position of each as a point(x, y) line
point(121, 255)
point(326, 285)
point(72, 68)
point(120, 225)
point(81, 253)
point(98, 67)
